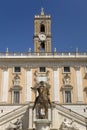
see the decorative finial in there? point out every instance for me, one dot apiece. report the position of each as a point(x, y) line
point(42, 11)
point(6, 49)
point(76, 50)
point(54, 49)
point(29, 50)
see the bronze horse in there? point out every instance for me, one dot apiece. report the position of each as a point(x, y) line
point(42, 101)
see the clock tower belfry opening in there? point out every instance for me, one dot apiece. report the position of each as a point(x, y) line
point(42, 32)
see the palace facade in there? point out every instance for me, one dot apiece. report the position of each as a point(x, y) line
point(65, 73)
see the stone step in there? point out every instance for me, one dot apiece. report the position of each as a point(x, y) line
point(6, 109)
point(80, 109)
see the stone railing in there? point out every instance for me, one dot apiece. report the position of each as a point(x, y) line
point(70, 113)
point(13, 114)
point(50, 54)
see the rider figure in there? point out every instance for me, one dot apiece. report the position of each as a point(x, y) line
point(42, 100)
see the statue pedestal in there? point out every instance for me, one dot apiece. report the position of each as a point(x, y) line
point(42, 124)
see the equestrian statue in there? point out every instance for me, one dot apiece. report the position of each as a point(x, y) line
point(42, 101)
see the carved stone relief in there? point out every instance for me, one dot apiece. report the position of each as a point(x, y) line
point(16, 80)
point(4, 68)
point(66, 80)
point(68, 125)
point(41, 76)
point(18, 125)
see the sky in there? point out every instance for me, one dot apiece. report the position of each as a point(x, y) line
point(69, 24)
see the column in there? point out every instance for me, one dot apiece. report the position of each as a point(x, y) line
point(4, 94)
point(79, 88)
point(56, 94)
point(30, 119)
point(54, 117)
point(49, 114)
point(28, 93)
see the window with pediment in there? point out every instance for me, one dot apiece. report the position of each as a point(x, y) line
point(67, 89)
point(16, 90)
point(16, 96)
point(67, 93)
point(68, 96)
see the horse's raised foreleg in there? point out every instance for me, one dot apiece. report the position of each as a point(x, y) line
point(36, 100)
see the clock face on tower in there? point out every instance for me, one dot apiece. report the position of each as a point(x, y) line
point(42, 37)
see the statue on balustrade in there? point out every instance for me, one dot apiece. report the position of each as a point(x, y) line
point(42, 101)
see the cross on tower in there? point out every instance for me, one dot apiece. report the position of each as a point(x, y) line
point(42, 11)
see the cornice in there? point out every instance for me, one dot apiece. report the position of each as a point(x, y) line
point(35, 64)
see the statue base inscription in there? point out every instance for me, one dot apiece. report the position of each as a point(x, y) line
point(42, 124)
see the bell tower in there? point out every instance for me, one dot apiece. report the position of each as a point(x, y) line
point(42, 32)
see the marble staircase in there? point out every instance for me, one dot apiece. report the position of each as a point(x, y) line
point(56, 115)
point(12, 116)
point(78, 108)
point(4, 109)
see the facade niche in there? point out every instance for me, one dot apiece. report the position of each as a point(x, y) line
point(16, 80)
point(66, 80)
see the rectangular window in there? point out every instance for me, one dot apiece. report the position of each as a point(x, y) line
point(17, 69)
point(16, 97)
point(66, 69)
point(86, 69)
point(42, 69)
point(67, 96)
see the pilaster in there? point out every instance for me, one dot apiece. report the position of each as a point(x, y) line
point(56, 95)
point(30, 118)
point(79, 89)
point(5, 76)
point(28, 93)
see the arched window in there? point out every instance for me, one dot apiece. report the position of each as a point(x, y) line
point(42, 28)
point(42, 46)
